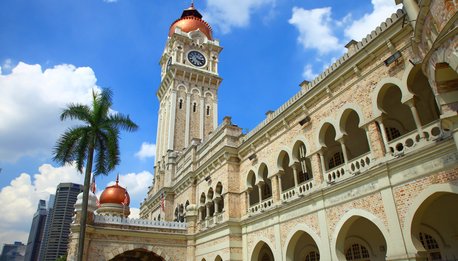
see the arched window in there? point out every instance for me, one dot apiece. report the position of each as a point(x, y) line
point(194, 107)
point(392, 133)
point(305, 172)
point(208, 110)
point(430, 244)
point(313, 256)
point(180, 104)
point(336, 160)
point(357, 252)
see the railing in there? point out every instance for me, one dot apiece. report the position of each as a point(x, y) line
point(98, 219)
point(336, 174)
point(211, 221)
point(306, 187)
point(289, 194)
point(261, 206)
point(412, 140)
point(360, 164)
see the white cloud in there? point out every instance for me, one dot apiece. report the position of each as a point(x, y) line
point(227, 14)
point(315, 29)
point(21, 197)
point(31, 101)
point(147, 150)
point(308, 72)
point(366, 24)
point(136, 184)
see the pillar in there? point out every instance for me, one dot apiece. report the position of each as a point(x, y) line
point(416, 118)
point(384, 138)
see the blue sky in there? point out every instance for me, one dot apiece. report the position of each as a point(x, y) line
point(53, 52)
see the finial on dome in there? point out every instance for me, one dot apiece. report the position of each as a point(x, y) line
point(192, 3)
point(117, 179)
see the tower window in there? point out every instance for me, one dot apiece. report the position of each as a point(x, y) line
point(194, 107)
point(208, 110)
point(180, 104)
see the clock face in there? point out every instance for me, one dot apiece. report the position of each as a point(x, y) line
point(196, 58)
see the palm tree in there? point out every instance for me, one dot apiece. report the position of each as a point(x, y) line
point(98, 133)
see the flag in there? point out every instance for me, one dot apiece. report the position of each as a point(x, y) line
point(162, 201)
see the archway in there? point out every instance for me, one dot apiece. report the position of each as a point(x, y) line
point(332, 149)
point(355, 139)
point(425, 101)
point(287, 178)
point(397, 116)
point(138, 254)
point(218, 258)
point(360, 239)
point(302, 247)
point(262, 252)
point(253, 189)
point(305, 166)
point(434, 227)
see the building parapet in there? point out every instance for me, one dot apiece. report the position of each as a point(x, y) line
point(98, 219)
point(357, 47)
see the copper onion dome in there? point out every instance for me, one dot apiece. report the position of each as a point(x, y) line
point(115, 194)
point(191, 20)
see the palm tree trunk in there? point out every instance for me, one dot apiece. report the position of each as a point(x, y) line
point(87, 178)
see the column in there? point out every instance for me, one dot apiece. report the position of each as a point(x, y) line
point(385, 139)
point(275, 188)
point(172, 113)
point(323, 165)
point(217, 205)
point(293, 166)
point(208, 209)
point(416, 118)
point(317, 170)
point(344, 150)
point(412, 10)
point(188, 119)
point(260, 191)
point(202, 117)
point(215, 113)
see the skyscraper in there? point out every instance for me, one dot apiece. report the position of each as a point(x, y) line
point(13, 252)
point(36, 232)
point(60, 220)
point(49, 212)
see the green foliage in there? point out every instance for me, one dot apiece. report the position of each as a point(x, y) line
point(62, 258)
point(99, 131)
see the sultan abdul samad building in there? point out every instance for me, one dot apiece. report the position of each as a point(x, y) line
point(360, 164)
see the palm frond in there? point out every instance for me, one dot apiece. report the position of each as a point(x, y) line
point(64, 151)
point(76, 112)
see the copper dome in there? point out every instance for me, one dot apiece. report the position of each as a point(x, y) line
point(191, 20)
point(115, 194)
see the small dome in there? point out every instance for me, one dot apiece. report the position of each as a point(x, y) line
point(115, 194)
point(91, 204)
point(191, 20)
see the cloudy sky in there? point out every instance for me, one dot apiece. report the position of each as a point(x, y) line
point(53, 52)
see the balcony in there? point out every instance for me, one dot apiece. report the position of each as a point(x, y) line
point(261, 206)
point(412, 140)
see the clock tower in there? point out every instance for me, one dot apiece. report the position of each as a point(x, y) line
point(188, 92)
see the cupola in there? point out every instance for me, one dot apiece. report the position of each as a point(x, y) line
point(191, 20)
